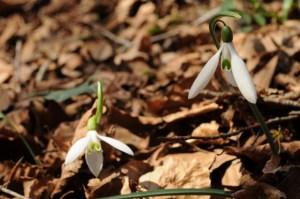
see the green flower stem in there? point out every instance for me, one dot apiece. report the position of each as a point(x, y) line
point(264, 127)
point(99, 102)
point(95, 119)
point(172, 192)
point(254, 108)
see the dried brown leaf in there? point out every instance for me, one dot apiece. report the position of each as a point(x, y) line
point(186, 170)
point(264, 77)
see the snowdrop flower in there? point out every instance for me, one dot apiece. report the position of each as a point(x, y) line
point(234, 68)
point(91, 146)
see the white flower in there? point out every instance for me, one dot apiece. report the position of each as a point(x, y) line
point(235, 70)
point(91, 146)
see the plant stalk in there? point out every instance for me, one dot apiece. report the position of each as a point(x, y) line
point(172, 192)
point(264, 128)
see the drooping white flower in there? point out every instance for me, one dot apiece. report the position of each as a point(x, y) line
point(235, 70)
point(91, 146)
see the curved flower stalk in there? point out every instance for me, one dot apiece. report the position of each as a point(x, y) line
point(235, 70)
point(90, 145)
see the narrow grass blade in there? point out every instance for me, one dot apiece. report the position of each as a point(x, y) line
point(173, 192)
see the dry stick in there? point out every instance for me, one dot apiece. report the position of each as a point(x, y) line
point(12, 193)
point(203, 18)
point(285, 102)
point(163, 36)
point(207, 16)
point(17, 60)
point(106, 33)
point(230, 134)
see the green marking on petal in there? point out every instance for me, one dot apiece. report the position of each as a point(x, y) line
point(94, 146)
point(226, 65)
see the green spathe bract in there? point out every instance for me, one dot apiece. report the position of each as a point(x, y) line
point(215, 20)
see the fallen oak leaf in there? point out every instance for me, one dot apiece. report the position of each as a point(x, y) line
point(264, 77)
point(196, 109)
point(141, 122)
point(185, 170)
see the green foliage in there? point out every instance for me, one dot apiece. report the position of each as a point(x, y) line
point(228, 5)
point(260, 18)
point(175, 19)
point(63, 95)
point(257, 13)
point(2, 116)
point(155, 30)
point(287, 5)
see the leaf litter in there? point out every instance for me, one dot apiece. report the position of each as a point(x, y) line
point(147, 54)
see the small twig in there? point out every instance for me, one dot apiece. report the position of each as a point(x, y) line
point(106, 33)
point(14, 169)
point(219, 94)
point(163, 36)
point(12, 193)
point(17, 60)
point(207, 16)
point(284, 102)
point(41, 72)
point(234, 133)
point(202, 19)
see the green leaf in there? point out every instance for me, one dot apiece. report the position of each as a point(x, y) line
point(63, 95)
point(2, 115)
point(172, 192)
point(260, 18)
point(155, 30)
point(247, 28)
point(246, 18)
point(287, 5)
point(228, 5)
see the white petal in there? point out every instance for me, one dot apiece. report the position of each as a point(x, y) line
point(116, 144)
point(242, 76)
point(229, 77)
point(205, 75)
point(94, 160)
point(92, 135)
point(76, 150)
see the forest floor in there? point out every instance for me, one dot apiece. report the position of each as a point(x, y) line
point(147, 54)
